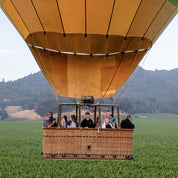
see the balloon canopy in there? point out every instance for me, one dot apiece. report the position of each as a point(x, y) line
point(89, 47)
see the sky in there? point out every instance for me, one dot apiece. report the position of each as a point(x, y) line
point(16, 60)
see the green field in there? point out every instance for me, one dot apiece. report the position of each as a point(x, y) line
point(155, 152)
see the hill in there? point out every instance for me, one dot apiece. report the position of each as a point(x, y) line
point(145, 91)
point(150, 91)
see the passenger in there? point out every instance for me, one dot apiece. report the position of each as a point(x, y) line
point(64, 121)
point(127, 124)
point(46, 122)
point(87, 122)
point(52, 120)
point(73, 123)
point(111, 119)
point(106, 124)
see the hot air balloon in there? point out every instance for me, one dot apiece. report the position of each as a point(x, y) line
point(89, 48)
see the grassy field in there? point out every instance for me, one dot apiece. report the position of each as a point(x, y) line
point(155, 152)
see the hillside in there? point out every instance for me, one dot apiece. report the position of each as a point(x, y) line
point(151, 91)
point(145, 91)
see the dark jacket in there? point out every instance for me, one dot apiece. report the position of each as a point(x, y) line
point(108, 126)
point(87, 123)
point(127, 124)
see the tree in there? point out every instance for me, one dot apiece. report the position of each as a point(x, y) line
point(46, 106)
point(3, 114)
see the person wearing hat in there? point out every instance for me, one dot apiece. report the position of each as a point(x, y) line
point(46, 122)
point(87, 122)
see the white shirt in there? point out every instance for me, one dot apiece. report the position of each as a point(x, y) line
point(104, 125)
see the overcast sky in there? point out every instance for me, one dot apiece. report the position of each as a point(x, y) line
point(16, 61)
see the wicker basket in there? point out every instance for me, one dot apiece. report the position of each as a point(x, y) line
point(75, 143)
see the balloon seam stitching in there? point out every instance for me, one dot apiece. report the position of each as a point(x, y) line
point(85, 18)
point(154, 18)
point(164, 23)
point(20, 16)
point(133, 19)
point(59, 12)
point(38, 17)
point(110, 19)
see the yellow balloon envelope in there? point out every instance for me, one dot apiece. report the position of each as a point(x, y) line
point(89, 47)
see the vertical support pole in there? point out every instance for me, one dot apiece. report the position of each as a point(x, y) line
point(95, 115)
point(99, 112)
point(118, 118)
point(112, 111)
point(59, 115)
point(79, 124)
point(76, 112)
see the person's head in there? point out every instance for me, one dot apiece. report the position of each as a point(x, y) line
point(106, 121)
point(73, 118)
point(129, 117)
point(50, 114)
point(47, 117)
point(65, 117)
point(87, 115)
point(107, 114)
